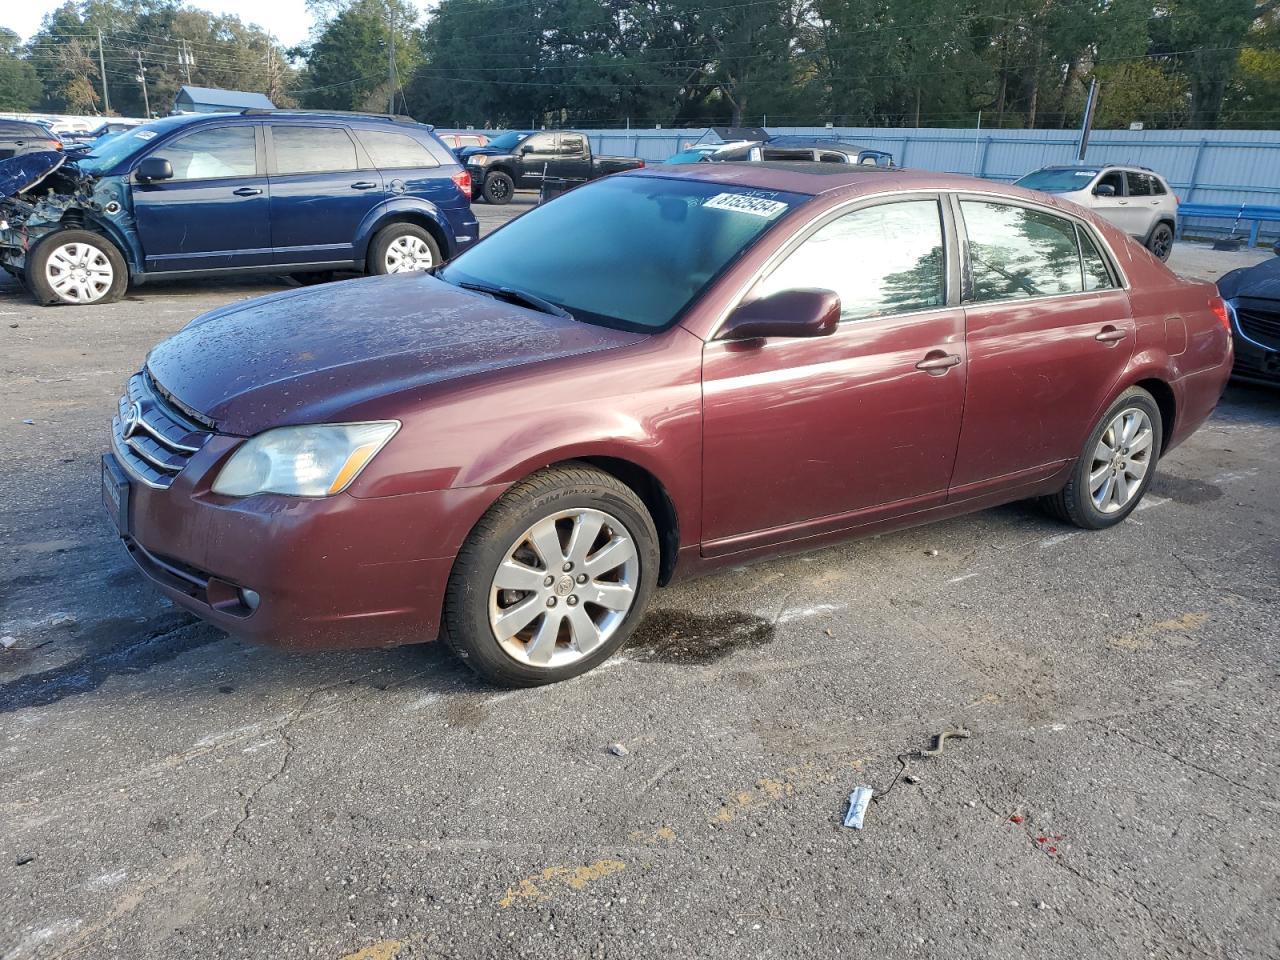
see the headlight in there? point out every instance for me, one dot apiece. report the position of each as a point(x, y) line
point(311, 461)
point(479, 161)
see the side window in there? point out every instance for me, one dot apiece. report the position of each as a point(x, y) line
point(1114, 180)
point(1157, 186)
point(1139, 183)
point(826, 156)
point(881, 260)
point(389, 150)
point(541, 143)
point(312, 149)
point(785, 153)
point(1096, 274)
point(572, 146)
point(207, 154)
point(1016, 253)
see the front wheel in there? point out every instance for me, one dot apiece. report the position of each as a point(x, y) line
point(1161, 242)
point(402, 248)
point(553, 579)
point(499, 188)
point(76, 267)
point(1116, 466)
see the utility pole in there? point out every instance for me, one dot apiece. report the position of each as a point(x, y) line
point(391, 54)
point(184, 57)
point(271, 70)
point(1090, 106)
point(142, 79)
point(102, 68)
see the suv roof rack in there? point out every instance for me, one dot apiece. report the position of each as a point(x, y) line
point(397, 117)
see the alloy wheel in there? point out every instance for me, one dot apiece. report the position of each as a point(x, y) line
point(408, 254)
point(1121, 460)
point(79, 272)
point(499, 189)
point(564, 588)
point(1162, 242)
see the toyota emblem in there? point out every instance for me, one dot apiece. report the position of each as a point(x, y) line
point(132, 419)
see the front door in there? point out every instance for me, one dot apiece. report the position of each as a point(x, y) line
point(1049, 334)
point(574, 162)
point(538, 159)
point(322, 188)
point(805, 436)
point(213, 213)
point(1118, 208)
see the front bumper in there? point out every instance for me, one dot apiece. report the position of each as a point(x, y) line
point(1255, 328)
point(332, 573)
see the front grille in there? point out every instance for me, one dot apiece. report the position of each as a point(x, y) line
point(151, 435)
point(1260, 326)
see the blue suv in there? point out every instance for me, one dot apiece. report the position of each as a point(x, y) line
point(268, 191)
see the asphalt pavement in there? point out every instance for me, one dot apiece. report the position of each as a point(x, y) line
point(168, 792)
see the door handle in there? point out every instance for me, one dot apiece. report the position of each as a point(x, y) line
point(936, 363)
point(247, 191)
point(363, 185)
point(1110, 334)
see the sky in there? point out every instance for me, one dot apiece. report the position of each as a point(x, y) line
point(288, 20)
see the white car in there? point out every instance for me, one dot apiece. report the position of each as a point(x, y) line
point(1135, 199)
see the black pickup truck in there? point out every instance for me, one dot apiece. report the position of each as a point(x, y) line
point(524, 160)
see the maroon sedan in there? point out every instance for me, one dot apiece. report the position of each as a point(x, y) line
point(656, 374)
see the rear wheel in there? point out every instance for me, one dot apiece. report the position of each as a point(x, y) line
point(1112, 473)
point(498, 187)
point(78, 268)
point(1161, 241)
point(402, 248)
point(553, 579)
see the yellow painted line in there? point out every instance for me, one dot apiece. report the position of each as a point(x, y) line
point(382, 950)
point(542, 886)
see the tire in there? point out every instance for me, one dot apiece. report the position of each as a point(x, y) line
point(1160, 243)
point(548, 619)
point(402, 248)
point(1094, 504)
point(498, 188)
point(76, 268)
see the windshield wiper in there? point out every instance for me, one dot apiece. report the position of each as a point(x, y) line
point(512, 295)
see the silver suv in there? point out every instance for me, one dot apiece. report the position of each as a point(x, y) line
point(1135, 199)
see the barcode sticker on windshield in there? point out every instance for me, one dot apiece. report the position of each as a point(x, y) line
point(145, 134)
point(745, 203)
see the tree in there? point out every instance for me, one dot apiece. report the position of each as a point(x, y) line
point(20, 88)
point(1205, 37)
point(351, 59)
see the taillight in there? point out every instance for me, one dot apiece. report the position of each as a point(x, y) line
point(462, 180)
point(641, 164)
point(1219, 308)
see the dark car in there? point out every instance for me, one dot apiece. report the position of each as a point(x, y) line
point(1253, 297)
point(524, 160)
point(20, 137)
point(801, 149)
point(215, 194)
point(657, 374)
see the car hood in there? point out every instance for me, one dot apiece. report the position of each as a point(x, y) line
point(310, 356)
point(19, 174)
point(1259, 283)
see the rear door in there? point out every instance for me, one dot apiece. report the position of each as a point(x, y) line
point(214, 213)
point(1049, 332)
point(322, 186)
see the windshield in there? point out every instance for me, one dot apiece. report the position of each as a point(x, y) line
point(107, 153)
point(1058, 179)
point(627, 252)
point(508, 140)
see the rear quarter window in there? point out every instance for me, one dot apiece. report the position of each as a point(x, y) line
point(389, 150)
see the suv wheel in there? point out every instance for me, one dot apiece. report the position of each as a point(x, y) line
point(402, 248)
point(1161, 241)
point(553, 579)
point(499, 188)
point(76, 267)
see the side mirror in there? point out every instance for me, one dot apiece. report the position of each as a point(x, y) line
point(787, 313)
point(527, 148)
point(1104, 190)
point(154, 168)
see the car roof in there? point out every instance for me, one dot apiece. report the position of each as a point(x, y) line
point(817, 178)
point(1099, 167)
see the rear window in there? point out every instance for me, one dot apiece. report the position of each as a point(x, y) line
point(388, 149)
point(16, 128)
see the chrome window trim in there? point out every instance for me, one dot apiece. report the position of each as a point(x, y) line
point(869, 199)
